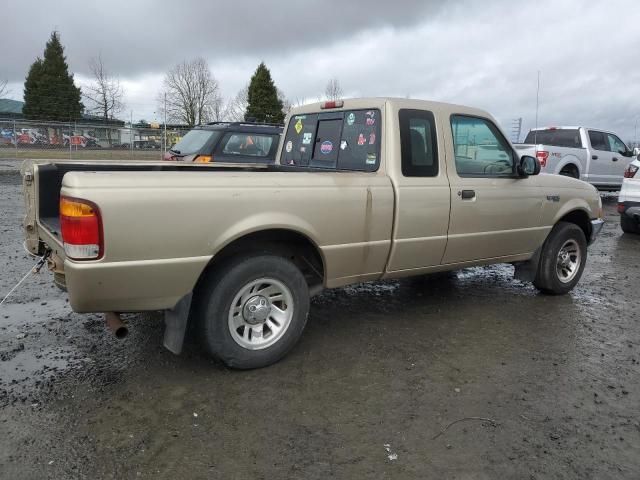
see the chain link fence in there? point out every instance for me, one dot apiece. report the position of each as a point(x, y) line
point(23, 139)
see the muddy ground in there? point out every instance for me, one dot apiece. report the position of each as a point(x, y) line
point(381, 371)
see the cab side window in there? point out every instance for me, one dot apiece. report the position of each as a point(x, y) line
point(598, 141)
point(480, 149)
point(615, 144)
point(418, 143)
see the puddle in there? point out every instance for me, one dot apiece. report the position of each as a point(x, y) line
point(43, 364)
point(14, 315)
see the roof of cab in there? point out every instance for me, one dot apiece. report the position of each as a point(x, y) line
point(248, 127)
point(379, 102)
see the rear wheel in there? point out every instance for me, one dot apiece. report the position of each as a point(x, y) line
point(562, 259)
point(628, 224)
point(252, 310)
point(570, 171)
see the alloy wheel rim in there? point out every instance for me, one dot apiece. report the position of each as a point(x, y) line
point(568, 261)
point(260, 313)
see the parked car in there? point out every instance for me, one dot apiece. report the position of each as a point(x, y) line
point(364, 189)
point(235, 142)
point(147, 145)
point(629, 199)
point(592, 155)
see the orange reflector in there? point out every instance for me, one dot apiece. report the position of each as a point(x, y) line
point(203, 159)
point(72, 208)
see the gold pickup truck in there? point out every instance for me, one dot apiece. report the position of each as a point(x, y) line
point(362, 189)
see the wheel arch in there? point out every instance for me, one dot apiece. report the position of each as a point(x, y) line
point(281, 241)
point(579, 217)
point(570, 161)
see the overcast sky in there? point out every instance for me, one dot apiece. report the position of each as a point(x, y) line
point(480, 53)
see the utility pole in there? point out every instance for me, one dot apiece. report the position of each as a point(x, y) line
point(131, 137)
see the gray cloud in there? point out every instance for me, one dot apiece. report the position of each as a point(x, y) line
point(136, 37)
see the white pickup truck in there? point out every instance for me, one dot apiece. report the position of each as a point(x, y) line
point(595, 156)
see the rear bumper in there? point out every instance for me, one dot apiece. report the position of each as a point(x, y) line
point(131, 286)
point(596, 227)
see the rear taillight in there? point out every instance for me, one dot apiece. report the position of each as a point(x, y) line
point(81, 228)
point(203, 159)
point(542, 156)
point(630, 171)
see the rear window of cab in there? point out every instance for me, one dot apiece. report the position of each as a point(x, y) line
point(343, 140)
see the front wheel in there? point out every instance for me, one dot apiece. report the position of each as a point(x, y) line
point(562, 259)
point(252, 310)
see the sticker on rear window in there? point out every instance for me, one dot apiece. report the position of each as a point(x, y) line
point(306, 138)
point(371, 118)
point(371, 158)
point(298, 126)
point(351, 118)
point(326, 147)
point(361, 140)
point(372, 138)
point(343, 144)
point(289, 146)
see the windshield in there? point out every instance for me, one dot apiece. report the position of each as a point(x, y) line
point(193, 141)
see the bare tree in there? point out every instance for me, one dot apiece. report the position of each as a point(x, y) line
point(192, 93)
point(237, 106)
point(333, 90)
point(286, 103)
point(3, 88)
point(104, 93)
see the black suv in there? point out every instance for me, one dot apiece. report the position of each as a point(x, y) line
point(237, 142)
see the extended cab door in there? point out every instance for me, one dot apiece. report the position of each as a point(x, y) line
point(422, 192)
point(494, 213)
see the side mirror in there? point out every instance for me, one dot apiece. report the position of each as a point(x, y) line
point(626, 153)
point(528, 166)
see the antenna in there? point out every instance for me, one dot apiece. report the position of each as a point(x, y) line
point(535, 135)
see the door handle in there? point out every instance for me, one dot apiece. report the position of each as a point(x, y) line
point(594, 157)
point(614, 159)
point(467, 194)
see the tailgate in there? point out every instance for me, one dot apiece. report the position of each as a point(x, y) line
point(30, 221)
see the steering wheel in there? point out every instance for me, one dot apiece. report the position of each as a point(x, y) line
point(500, 164)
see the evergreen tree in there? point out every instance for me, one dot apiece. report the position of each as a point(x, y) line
point(49, 91)
point(264, 104)
point(32, 106)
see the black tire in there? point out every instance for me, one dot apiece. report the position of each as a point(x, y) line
point(548, 280)
point(570, 171)
point(214, 302)
point(628, 224)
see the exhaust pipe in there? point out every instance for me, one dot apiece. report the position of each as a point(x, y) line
point(116, 326)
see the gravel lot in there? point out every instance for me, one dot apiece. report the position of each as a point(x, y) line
point(540, 387)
